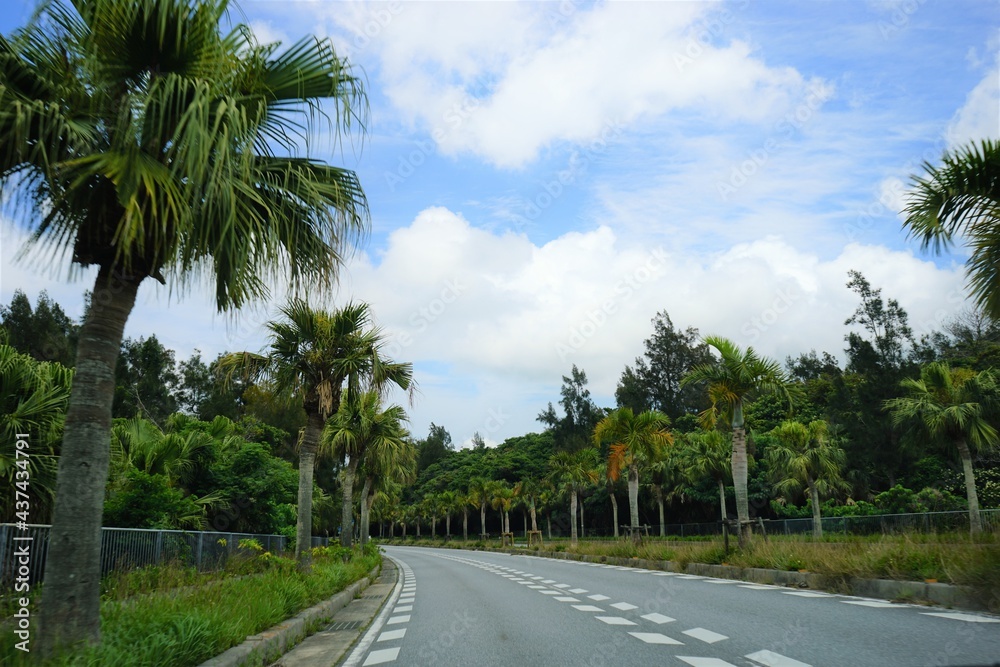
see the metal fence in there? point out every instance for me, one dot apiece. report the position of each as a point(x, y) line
point(128, 548)
point(924, 522)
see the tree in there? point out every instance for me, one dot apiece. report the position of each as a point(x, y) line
point(528, 490)
point(45, 332)
point(956, 407)
point(145, 380)
point(502, 498)
point(389, 458)
point(887, 324)
point(962, 198)
point(432, 448)
point(572, 431)
point(361, 424)
point(709, 454)
point(804, 459)
point(479, 494)
point(156, 146)
point(449, 503)
point(655, 382)
point(636, 439)
point(665, 482)
point(736, 378)
point(572, 472)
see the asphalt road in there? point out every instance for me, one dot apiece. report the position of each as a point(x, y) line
point(475, 609)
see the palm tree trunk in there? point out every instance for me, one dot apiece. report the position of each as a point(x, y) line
point(403, 524)
point(740, 484)
point(548, 520)
point(482, 519)
point(614, 511)
point(817, 516)
point(434, 521)
point(447, 524)
point(347, 510)
point(975, 525)
point(534, 521)
point(583, 528)
point(524, 516)
point(572, 518)
point(633, 498)
point(465, 524)
point(659, 503)
point(71, 597)
point(365, 510)
point(307, 463)
point(418, 526)
point(722, 499)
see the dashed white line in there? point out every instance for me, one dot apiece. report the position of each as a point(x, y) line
point(970, 618)
point(381, 656)
point(587, 607)
point(704, 635)
point(658, 618)
point(398, 619)
point(624, 606)
point(655, 638)
point(598, 597)
point(389, 635)
point(615, 620)
point(704, 662)
point(772, 659)
point(564, 598)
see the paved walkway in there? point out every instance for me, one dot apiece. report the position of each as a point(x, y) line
point(330, 645)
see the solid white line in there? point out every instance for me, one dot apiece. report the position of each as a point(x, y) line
point(369, 638)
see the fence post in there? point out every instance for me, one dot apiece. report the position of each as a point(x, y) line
point(201, 541)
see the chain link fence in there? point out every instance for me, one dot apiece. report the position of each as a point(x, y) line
point(128, 548)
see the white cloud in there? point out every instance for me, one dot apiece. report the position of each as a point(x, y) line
point(503, 81)
point(979, 117)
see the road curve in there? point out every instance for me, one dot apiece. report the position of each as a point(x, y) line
point(475, 609)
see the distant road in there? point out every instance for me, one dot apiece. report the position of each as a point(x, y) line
point(474, 609)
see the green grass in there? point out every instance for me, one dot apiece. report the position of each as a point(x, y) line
point(169, 617)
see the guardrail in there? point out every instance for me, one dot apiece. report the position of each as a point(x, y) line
point(128, 548)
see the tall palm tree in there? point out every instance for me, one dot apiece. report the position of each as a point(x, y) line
point(464, 501)
point(359, 428)
point(956, 407)
point(635, 439)
point(572, 472)
point(389, 458)
point(962, 198)
point(708, 454)
point(479, 494)
point(609, 486)
point(319, 355)
point(502, 498)
point(734, 380)
point(141, 139)
point(528, 489)
point(803, 458)
point(449, 503)
point(666, 482)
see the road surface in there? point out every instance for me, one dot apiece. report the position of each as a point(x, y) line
point(456, 608)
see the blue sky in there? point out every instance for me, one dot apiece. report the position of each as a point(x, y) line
point(545, 176)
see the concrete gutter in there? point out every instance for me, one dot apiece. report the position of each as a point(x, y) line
point(266, 647)
point(946, 595)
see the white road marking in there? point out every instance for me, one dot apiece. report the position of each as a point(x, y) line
point(368, 639)
point(577, 591)
point(536, 586)
point(549, 581)
point(395, 620)
point(664, 574)
point(562, 585)
point(720, 581)
point(389, 635)
point(691, 576)
point(614, 620)
point(402, 608)
point(551, 592)
point(655, 638)
point(658, 618)
point(587, 607)
point(871, 603)
point(807, 594)
point(704, 662)
point(381, 656)
point(598, 597)
point(772, 659)
point(756, 587)
point(970, 618)
point(564, 598)
point(704, 635)
point(624, 606)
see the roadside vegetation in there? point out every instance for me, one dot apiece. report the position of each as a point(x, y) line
point(173, 616)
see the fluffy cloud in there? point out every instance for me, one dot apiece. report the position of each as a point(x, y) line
point(503, 81)
point(979, 117)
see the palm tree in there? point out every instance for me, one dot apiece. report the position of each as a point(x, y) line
point(803, 458)
point(502, 498)
point(318, 355)
point(140, 139)
point(635, 439)
point(956, 407)
point(33, 397)
point(464, 501)
point(666, 482)
point(360, 426)
point(479, 494)
point(571, 472)
point(528, 489)
point(962, 197)
point(609, 486)
point(737, 378)
point(389, 458)
point(449, 503)
point(708, 454)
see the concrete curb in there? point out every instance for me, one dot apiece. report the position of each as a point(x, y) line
point(946, 595)
point(266, 647)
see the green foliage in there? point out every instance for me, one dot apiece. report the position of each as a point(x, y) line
point(572, 431)
point(145, 380)
point(259, 487)
point(138, 499)
point(45, 332)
